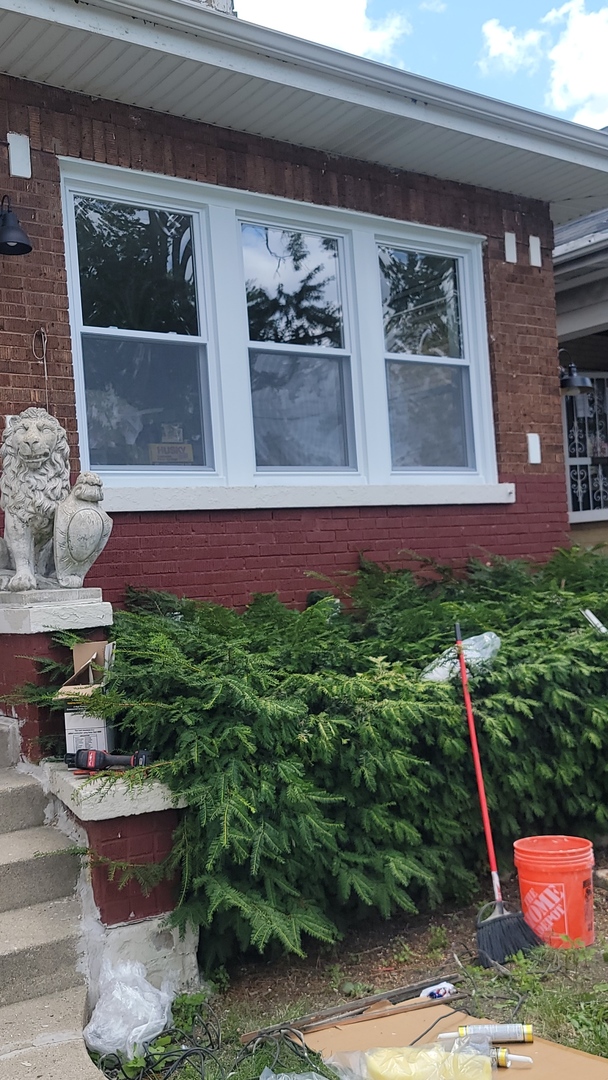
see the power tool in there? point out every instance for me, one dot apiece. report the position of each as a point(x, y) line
point(95, 760)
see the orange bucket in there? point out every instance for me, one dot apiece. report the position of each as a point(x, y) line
point(556, 885)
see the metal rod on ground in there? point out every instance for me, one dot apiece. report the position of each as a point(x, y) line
point(400, 993)
point(356, 1016)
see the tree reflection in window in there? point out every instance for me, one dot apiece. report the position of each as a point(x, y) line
point(420, 303)
point(136, 267)
point(293, 288)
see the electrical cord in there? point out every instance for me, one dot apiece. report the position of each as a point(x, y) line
point(434, 1024)
point(202, 1048)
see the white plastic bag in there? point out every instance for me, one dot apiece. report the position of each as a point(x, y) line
point(268, 1074)
point(477, 650)
point(129, 1013)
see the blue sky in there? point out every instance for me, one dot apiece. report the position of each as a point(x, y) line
point(550, 58)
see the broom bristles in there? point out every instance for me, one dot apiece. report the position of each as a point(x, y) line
point(504, 935)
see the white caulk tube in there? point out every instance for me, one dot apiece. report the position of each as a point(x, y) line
point(496, 1033)
point(503, 1059)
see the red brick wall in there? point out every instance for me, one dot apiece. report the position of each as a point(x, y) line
point(42, 729)
point(228, 555)
point(139, 839)
point(18, 666)
point(225, 556)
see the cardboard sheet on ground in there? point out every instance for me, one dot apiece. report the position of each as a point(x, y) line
point(551, 1061)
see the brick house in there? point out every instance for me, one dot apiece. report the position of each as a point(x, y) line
point(299, 305)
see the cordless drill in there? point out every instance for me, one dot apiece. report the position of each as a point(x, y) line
point(95, 760)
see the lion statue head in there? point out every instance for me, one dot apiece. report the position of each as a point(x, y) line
point(36, 472)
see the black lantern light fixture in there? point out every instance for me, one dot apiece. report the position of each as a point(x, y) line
point(570, 382)
point(13, 239)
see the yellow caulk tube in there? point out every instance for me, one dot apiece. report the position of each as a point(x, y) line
point(496, 1033)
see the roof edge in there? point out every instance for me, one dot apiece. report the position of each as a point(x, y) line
point(190, 17)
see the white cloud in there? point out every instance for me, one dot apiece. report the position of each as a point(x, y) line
point(504, 48)
point(343, 24)
point(579, 62)
point(436, 6)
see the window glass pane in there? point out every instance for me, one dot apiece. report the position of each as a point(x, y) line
point(136, 267)
point(293, 289)
point(145, 402)
point(301, 410)
point(420, 303)
point(429, 409)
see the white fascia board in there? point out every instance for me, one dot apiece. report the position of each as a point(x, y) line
point(262, 497)
point(582, 246)
point(184, 28)
point(583, 321)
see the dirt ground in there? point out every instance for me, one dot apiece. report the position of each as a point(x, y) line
point(381, 955)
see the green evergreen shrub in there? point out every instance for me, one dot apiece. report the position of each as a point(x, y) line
point(324, 779)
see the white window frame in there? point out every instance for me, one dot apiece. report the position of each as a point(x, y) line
point(580, 515)
point(234, 482)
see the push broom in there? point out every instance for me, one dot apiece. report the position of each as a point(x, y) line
point(500, 933)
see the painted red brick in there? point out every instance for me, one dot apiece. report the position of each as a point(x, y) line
point(533, 526)
point(19, 665)
point(140, 839)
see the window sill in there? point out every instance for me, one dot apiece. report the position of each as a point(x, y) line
point(579, 517)
point(270, 497)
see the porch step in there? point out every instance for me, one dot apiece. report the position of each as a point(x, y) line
point(40, 1022)
point(64, 1061)
point(38, 950)
point(35, 864)
point(22, 800)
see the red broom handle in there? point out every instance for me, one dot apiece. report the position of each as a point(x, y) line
point(485, 816)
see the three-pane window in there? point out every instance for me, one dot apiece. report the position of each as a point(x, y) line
point(217, 340)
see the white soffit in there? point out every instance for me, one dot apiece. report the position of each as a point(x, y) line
point(174, 56)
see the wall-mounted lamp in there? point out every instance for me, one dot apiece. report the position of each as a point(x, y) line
point(570, 382)
point(13, 239)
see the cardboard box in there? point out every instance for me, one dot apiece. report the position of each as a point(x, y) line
point(551, 1061)
point(92, 662)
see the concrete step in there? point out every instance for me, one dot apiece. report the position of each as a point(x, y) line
point(35, 864)
point(22, 801)
point(9, 742)
point(38, 950)
point(65, 1061)
point(42, 1021)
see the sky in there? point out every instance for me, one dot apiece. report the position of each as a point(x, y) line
point(551, 59)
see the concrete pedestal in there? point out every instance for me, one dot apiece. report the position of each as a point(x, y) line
point(43, 610)
point(132, 825)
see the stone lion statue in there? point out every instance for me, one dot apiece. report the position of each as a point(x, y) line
point(35, 483)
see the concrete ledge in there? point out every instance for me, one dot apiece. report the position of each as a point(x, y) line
point(265, 496)
point(43, 610)
point(97, 800)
